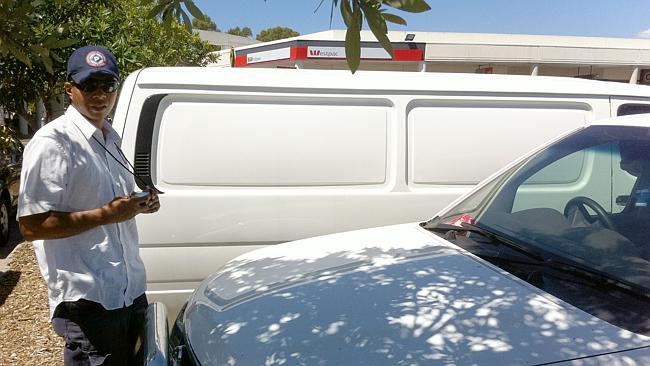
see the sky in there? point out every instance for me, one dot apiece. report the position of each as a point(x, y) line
point(593, 18)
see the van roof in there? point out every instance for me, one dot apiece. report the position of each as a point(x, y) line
point(372, 82)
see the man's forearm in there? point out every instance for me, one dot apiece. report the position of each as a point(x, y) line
point(58, 225)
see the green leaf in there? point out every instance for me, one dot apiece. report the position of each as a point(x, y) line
point(47, 62)
point(378, 27)
point(346, 13)
point(193, 9)
point(49, 40)
point(158, 9)
point(41, 51)
point(187, 22)
point(412, 6)
point(56, 57)
point(383, 39)
point(357, 13)
point(353, 44)
point(19, 54)
point(393, 18)
point(374, 18)
point(167, 18)
point(63, 43)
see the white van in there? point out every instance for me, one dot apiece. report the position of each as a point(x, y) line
point(252, 157)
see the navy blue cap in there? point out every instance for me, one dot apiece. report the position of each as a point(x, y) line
point(88, 61)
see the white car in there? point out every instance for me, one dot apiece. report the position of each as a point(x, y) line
point(545, 263)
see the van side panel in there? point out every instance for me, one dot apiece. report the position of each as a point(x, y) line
point(496, 133)
point(275, 143)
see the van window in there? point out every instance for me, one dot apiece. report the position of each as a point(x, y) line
point(632, 108)
point(600, 176)
point(267, 143)
point(446, 141)
point(563, 171)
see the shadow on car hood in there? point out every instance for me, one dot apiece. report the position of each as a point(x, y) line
point(386, 296)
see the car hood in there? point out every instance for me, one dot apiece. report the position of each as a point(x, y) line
point(386, 296)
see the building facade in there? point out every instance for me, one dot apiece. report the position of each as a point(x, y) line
point(614, 59)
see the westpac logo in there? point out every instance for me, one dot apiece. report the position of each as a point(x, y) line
point(324, 53)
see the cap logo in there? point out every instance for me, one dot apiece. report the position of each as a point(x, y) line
point(95, 59)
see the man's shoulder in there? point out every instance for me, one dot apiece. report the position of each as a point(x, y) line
point(55, 128)
point(61, 130)
point(55, 134)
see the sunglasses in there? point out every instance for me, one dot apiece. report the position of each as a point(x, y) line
point(107, 86)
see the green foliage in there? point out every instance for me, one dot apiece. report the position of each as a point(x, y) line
point(275, 33)
point(9, 143)
point(242, 32)
point(205, 23)
point(119, 25)
point(18, 39)
point(137, 41)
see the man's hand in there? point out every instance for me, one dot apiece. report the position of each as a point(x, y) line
point(152, 203)
point(124, 208)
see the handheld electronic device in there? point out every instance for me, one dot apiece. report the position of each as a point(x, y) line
point(140, 195)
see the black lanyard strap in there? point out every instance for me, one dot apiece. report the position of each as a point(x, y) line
point(122, 164)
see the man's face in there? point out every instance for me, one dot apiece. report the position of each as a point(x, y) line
point(94, 103)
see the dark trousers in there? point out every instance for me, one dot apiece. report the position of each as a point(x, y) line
point(96, 336)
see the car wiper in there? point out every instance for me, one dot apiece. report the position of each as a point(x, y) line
point(595, 278)
point(568, 266)
point(540, 260)
point(492, 236)
point(602, 279)
point(599, 278)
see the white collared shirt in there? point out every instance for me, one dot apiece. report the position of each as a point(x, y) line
point(65, 169)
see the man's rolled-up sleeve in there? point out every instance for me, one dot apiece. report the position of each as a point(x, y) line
point(44, 177)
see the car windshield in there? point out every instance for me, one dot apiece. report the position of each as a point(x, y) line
point(584, 199)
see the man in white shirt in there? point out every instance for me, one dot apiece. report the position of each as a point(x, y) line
point(77, 205)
